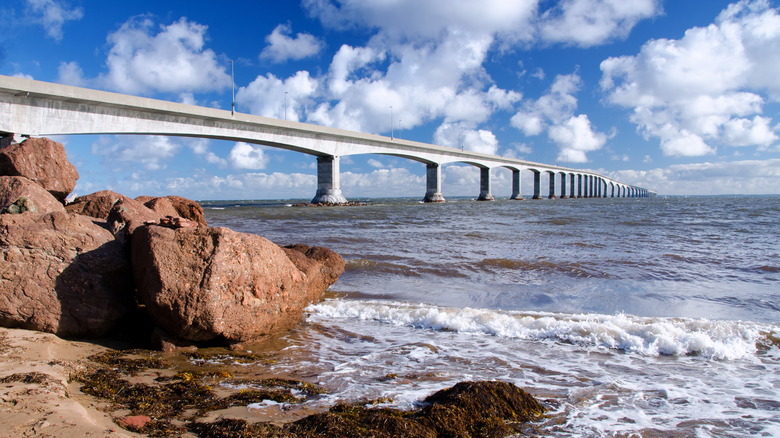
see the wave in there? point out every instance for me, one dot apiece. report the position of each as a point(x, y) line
point(722, 340)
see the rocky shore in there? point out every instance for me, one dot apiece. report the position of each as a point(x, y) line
point(150, 273)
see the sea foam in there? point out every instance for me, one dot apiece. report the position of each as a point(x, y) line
point(725, 340)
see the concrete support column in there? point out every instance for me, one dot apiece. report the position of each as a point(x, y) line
point(551, 195)
point(579, 186)
point(591, 186)
point(517, 194)
point(537, 185)
point(328, 185)
point(563, 186)
point(571, 185)
point(484, 185)
point(433, 183)
point(586, 188)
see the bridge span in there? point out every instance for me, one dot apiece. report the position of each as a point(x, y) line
point(35, 108)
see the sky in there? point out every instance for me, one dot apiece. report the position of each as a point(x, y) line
point(679, 97)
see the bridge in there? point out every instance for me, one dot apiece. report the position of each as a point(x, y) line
point(35, 108)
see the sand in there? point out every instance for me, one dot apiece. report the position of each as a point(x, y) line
point(51, 406)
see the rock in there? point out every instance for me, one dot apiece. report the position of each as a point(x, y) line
point(321, 266)
point(133, 422)
point(203, 284)
point(44, 162)
point(469, 409)
point(128, 214)
point(13, 188)
point(162, 341)
point(62, 273)
point(176, 206)
point(97, 204)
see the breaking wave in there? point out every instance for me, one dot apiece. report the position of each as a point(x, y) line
point(723, 340)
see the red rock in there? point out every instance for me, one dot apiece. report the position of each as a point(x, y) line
point(207, 283)
point(134, 422)
point(62, 273)
point(14, 187)
point(177, 206)
point(97, 204)
point(128, 214)
point(322, 266)
point(43, 161)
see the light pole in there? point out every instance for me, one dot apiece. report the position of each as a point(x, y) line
point(391, 122)
point(233, 85)
point(285, 105)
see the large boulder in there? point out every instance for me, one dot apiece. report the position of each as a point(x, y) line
point(206, 283)
point(96, 205)
point(62, 273)
point(175, 206)
point(25, 195)
point(43, 161)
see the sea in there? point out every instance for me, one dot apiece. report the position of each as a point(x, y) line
point(630, 317)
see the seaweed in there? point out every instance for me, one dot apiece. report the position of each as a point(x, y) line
point(173, 405)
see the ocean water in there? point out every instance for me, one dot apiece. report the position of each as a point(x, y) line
point(627, 317)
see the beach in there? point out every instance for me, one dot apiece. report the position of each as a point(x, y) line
point(639, 317)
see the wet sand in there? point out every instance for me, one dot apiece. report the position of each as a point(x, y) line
point(48, 406)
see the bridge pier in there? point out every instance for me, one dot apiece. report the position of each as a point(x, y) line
point(563, 185)
point(516, 193)
point(433, 183)
point(484, 185)
point(328, 185)
point(537, 185)
point(572, 182)
point(552, 185)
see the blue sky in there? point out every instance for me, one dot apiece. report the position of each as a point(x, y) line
point(681, 97)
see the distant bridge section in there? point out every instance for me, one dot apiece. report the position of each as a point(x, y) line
point(35, 108)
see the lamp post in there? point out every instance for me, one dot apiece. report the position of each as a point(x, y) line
point(233, 85)
point(285, 105)
point(391, 122)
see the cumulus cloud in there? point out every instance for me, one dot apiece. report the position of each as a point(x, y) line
point(460, 135)
point(145, 58)
point(247, 156)
point(428, 62)
point(52, 15)
point(707, 88)
point(720, 178)
point(554, 112)
point(149, 150)
point(270, 96)
point(281, 46)
point(591, 22)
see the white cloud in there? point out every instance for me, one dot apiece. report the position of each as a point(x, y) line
point(753, 177)
point(172, 60)
point(591, 22)
point(427, 19)
point(270, 96)
point(706, 88)
point(575, 137)
point(149, 150)
point(282, 47)
point(554, 112)
point(52, 15)
point(460, 135)
point(247, 156)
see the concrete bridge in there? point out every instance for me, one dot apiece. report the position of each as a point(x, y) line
point(35, 108)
